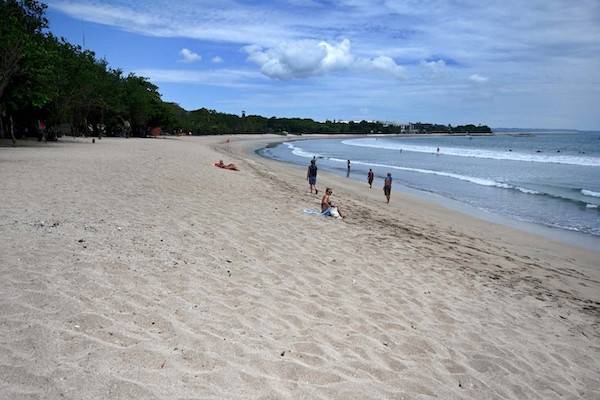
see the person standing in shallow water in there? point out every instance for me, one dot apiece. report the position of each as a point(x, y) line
point(387, 187)
point(370, 177)
point(311, 176)
point(348, 172)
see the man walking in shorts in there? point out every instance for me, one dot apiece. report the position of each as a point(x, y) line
point(311, 176)
point(387, 187)
point(370, 177)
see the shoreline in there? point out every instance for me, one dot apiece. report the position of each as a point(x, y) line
point(504, 235)
point(573, 238)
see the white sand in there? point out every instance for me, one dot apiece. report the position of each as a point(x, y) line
point(157, 276)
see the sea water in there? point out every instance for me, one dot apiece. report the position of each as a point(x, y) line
point(551, 179)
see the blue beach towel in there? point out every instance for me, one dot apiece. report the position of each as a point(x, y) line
point(312, 211)
point(330, 212)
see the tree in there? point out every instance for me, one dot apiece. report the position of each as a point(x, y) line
point(21, 22)
point(21, 25)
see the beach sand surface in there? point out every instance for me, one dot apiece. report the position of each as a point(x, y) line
point(135, 269)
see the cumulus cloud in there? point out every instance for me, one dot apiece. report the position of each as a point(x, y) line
point(217, 60)
point(300, 59)
point(305, 58)
point(434, 69)
point(387, 65)
point(189, 56)
point(478, 78)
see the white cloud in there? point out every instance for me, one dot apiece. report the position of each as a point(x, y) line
point(478, 78)
point(220, 77)
point(217, 60)
point(544, 27)
point(306, 58)
point(337, 56)
point(222, 21)
point(189, 56)
point(299, 59)
point(389, 66)
point(434, 69)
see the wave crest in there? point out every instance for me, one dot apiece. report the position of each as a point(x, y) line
point(476, 153)
point(589, 193)
point(300, 152)
point(472, 179)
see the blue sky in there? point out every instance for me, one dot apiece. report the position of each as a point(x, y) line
point(532, 63)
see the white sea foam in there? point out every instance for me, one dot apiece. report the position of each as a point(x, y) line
point(591, 205)
point(299, 151)
point(472, 179)
point(590, 193)
point(476, 153)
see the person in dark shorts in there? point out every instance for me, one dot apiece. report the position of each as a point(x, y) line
point(370, 177)
point(348, 171)
point(387, 187)
point(311, 176)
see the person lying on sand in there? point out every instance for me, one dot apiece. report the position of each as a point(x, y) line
point(328, 209)
point(220, 164)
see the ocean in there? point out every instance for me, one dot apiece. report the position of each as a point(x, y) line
point(551, 179)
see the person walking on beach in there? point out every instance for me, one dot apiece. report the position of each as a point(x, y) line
point(348, 172)
point(387, 187)
point(311, 176)
point(370, 177)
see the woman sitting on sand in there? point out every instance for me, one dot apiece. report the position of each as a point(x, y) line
point(328, 209)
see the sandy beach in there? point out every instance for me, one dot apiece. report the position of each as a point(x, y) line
point(135, 269)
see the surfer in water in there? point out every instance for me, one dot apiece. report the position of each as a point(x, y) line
point(387, 187)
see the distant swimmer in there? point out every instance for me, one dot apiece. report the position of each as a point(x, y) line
point(438, 150)
point(311, 176)
point(348, 172)
point(387, 187)
point(370, 177)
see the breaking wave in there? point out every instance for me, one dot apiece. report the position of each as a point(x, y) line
point(476, 153)
point(589, 193)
